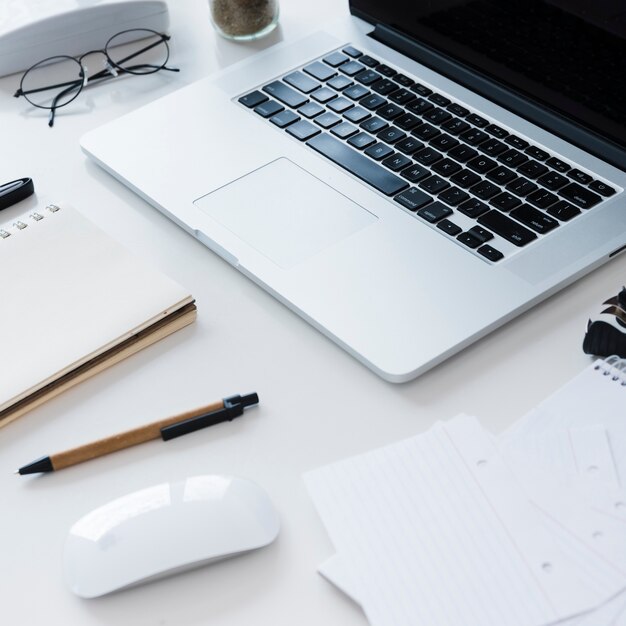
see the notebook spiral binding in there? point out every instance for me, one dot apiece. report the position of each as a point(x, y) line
point(20, 224)
point(615, 367)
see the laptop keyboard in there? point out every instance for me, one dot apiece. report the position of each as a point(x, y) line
point(490, 190)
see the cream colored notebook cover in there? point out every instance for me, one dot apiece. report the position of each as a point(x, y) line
point(72, 302)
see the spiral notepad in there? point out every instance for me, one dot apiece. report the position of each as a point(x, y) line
point(73, 303)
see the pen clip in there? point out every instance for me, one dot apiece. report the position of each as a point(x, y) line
point(201, 421)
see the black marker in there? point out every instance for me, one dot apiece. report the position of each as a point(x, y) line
point(16, 190)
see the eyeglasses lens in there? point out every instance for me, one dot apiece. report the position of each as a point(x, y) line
point(146, 55)
point(53, 82)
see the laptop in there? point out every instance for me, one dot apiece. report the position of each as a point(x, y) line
point(406, 179)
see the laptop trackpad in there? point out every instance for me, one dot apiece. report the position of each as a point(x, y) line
point(284, 212)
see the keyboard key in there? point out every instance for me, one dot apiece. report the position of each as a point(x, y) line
point(437, 98)
point(284, 118)
point(450, 228)
point(339, 83)
point(558, 165)
point(367, 77)
point(327, 120)
point(407, 121)
point(409, 145)
point(473, 136)
point(359, 165)
point(419, 106)
point(344, 130)
point(481, 164)
point(496, 131)
point(391, 134)
point(492, 147)
point(521, 187)
point(356, 92)
point(537, 220)
point(340, 104)
point(602, 188)
point(437, 116)
point(512, 158)
point(446, 167)
point(374, 124)
point(453, 196)
point(506, 227)
point(402, 96)
point(434, 212)
point(372, 102)
point(444, 142)
point(310, 109)
point(352, 52)
point(485, 190)
point(532, 169)
point(455, 126)
point(415, 173)
point(473, 208)
point(389, 111)
point(470, 240)
point(541, 198)
point(422, 90)
point(501, 175)
point(379, 151)
point(385, 70)
point(434, 184)
point(457, 109)
point(490, 253)
point(384, 86)
point(320, 71)
point(302, 82)
point(356, 115)
point(396, 162)
point(425, 132)
point(335, 58)
point(323, 95)
point(413, 199)
point(369, 61)
point(580, 196)
point(427, 156)
point(403, 80)
point(351, 68)
point(465, 179)
point(552, 181)
point(303, 130)
point(481, 233)
point(580, 177)
point(537, 153)
point(462, 153)
point(563, 211)
point(361, 141)
point(252, 99)
point(516, 142)
point(505, 201)
point(476, 120)
point(269, 108)
point(285, 94)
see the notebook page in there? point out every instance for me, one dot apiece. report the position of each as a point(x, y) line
point(69, 292)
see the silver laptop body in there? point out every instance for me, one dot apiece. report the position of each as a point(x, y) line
point(383, 280)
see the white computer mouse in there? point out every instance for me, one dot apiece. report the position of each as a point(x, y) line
point(166, 529)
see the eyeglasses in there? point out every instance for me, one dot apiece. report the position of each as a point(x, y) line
point(56, 81)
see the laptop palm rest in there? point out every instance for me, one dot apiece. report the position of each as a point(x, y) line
point(285, 213)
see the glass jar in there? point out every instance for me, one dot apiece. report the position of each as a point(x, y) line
point(244, 20)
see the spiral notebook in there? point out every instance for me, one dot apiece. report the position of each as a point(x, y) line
point(74, 302)
point(457, 526)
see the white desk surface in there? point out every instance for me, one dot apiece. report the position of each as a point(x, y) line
point(317, 403)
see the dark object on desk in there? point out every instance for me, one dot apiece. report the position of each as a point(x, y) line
point(11, 193)
point(606, 332)
point(222, 411)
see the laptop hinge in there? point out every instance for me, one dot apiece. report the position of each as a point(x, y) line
point(517, 103)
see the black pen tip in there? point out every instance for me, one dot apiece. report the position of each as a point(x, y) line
point(43, 464)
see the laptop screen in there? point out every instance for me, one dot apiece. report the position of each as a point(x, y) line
point(568, 55)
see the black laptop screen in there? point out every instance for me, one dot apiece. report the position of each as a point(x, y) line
point(568, 55)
